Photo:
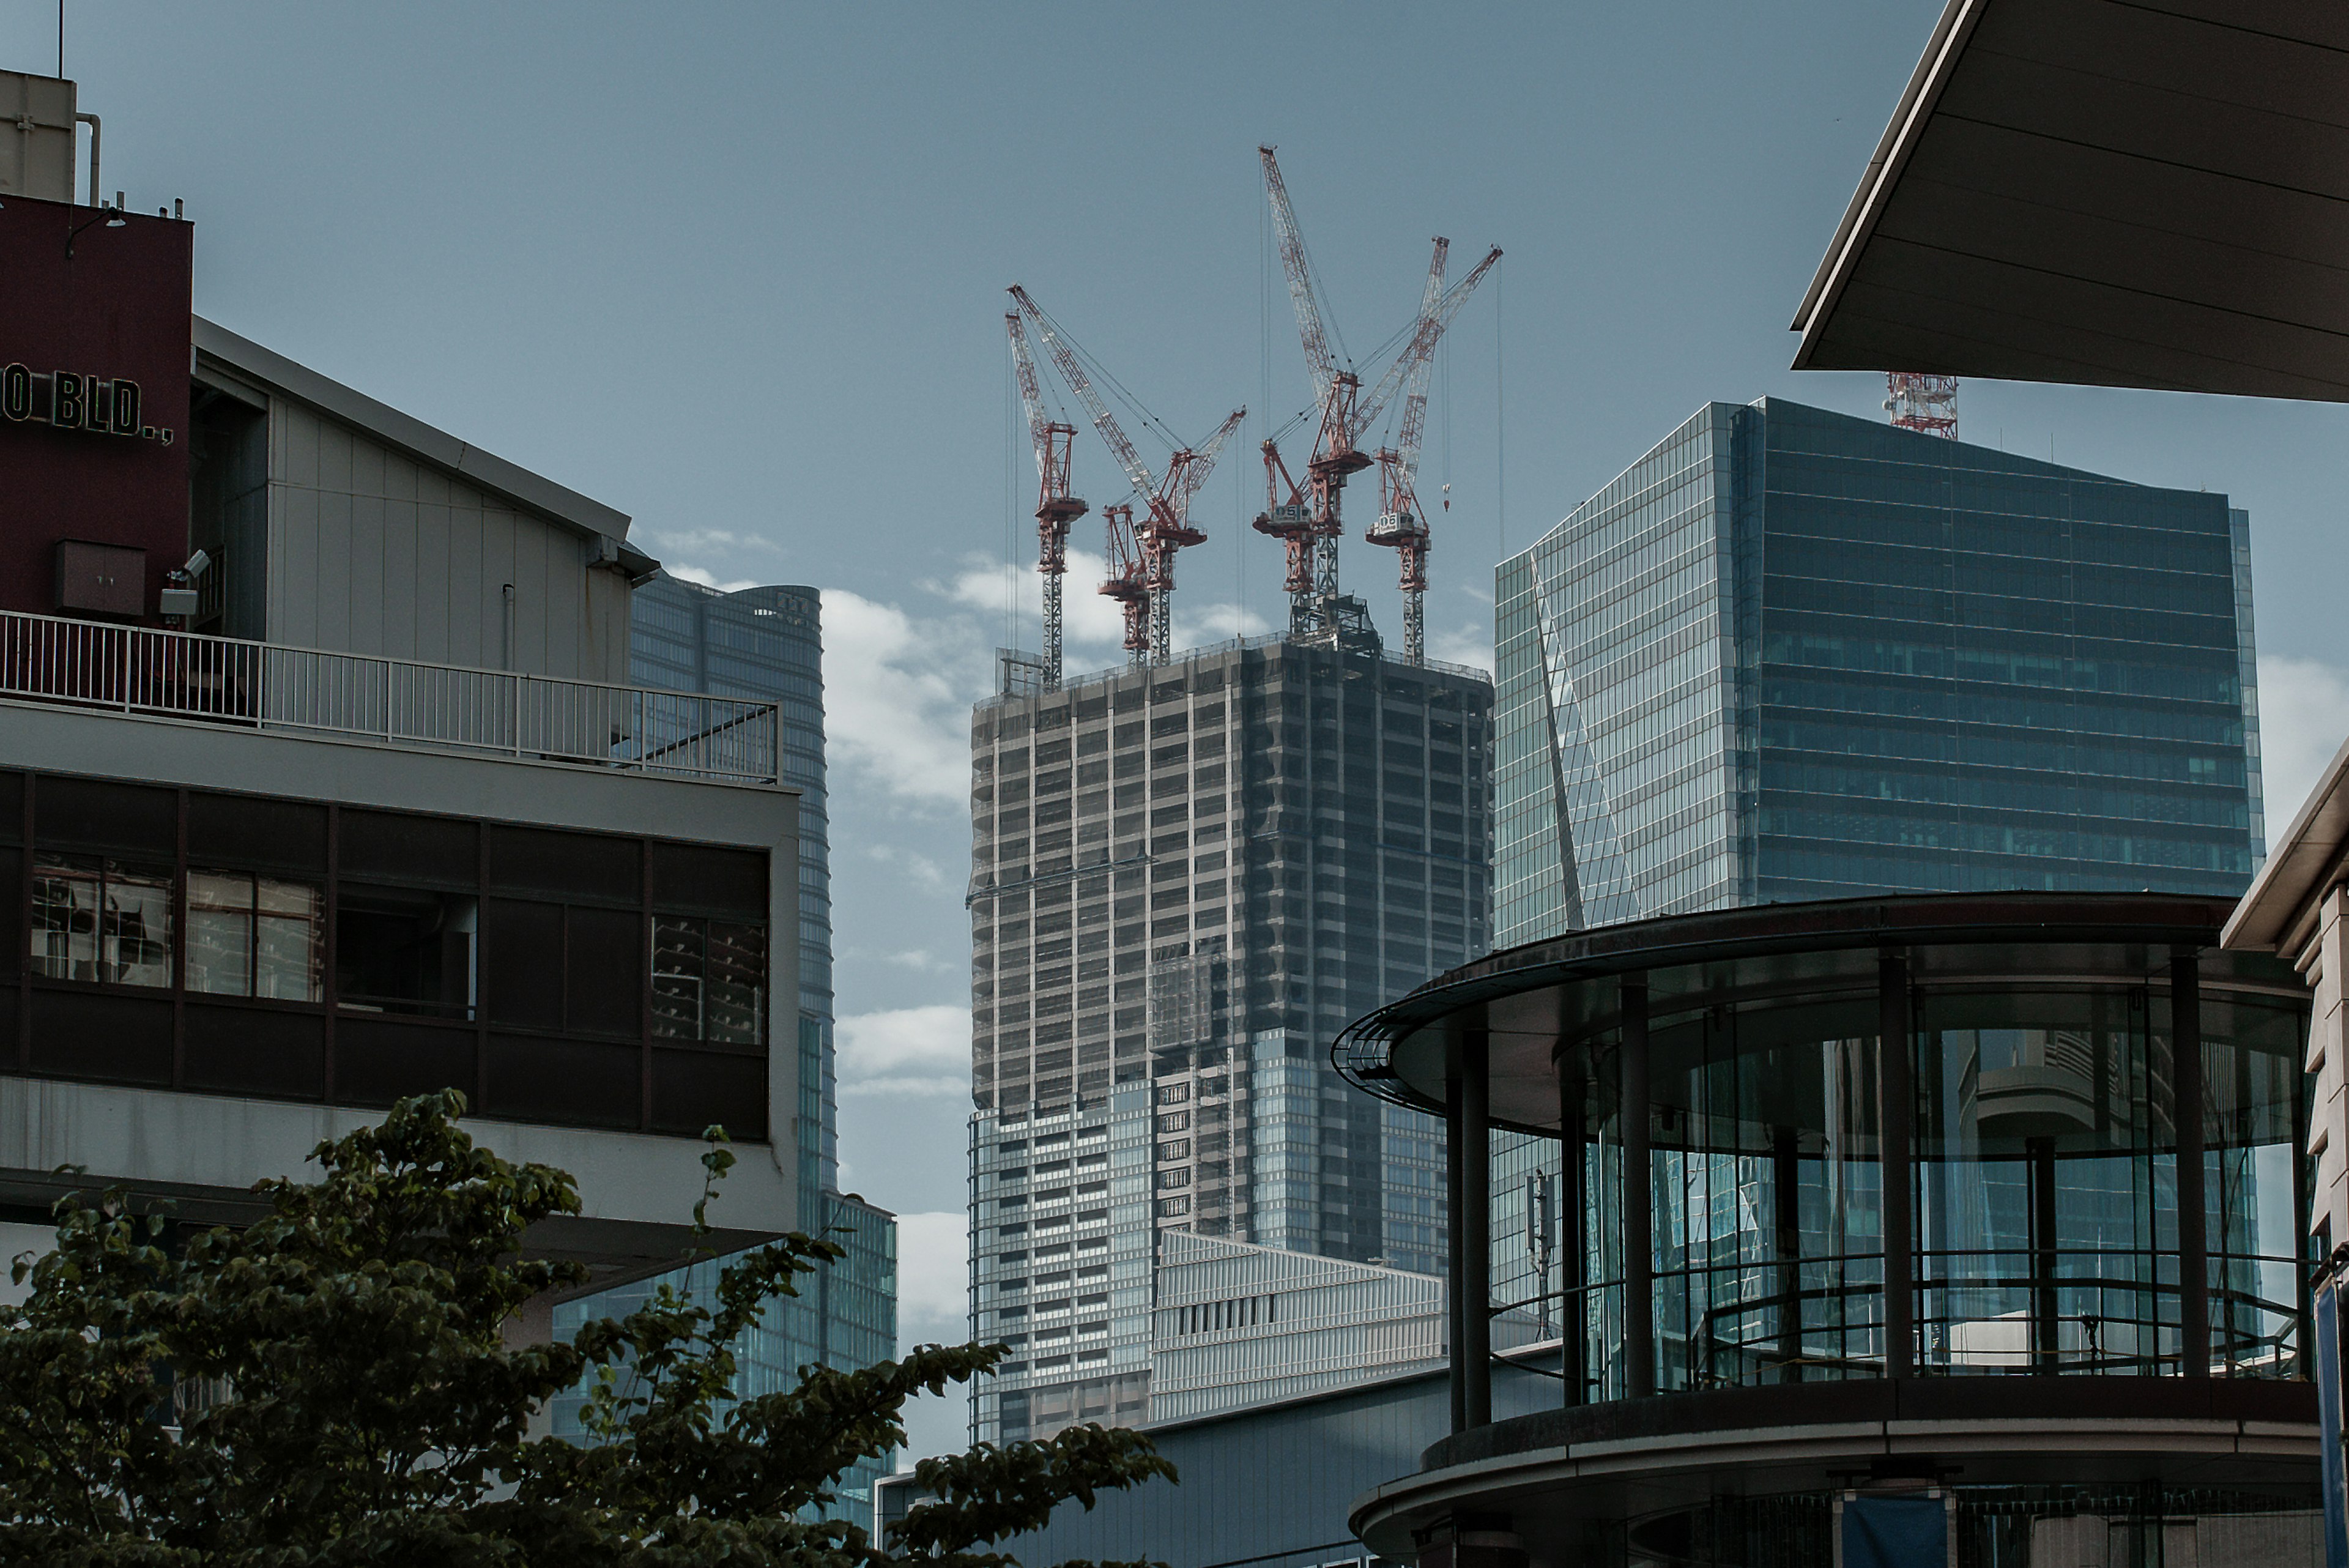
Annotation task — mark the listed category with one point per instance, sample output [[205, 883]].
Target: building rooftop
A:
[[220, 352]]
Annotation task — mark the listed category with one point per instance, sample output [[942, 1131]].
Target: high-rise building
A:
[[1790, 654], [1184, 879], [1794, 655], [767, 644]]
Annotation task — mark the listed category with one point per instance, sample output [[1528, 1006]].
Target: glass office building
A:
[[1790, 654], [768, 642]]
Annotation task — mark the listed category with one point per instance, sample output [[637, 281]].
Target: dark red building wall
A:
[[117, 308]]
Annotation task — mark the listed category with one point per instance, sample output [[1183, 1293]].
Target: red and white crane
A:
[[1141, 556], [1056, 508], [1306, 518], [1401, 524]]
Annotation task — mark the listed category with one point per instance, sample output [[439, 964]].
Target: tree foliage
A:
[[333, 1384]]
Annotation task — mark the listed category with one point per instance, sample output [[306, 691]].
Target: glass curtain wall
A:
[[2045, 1192]]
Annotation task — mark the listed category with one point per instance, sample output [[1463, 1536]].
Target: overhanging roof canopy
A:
[[2149, 194]]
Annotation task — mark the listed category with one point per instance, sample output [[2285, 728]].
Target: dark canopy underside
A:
[[2152, 193]]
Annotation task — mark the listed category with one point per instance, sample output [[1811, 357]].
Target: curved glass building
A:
[[1988, 1202]]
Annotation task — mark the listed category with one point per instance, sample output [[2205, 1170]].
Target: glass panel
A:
[[736, 977], [1768, 1223], [2252, 1088], [2046, 1182], [220, 933], [66, 906], [710, 980], [678, 942], [290, 944], [135, 937]]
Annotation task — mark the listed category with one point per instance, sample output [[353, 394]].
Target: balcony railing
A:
[[392, 701]]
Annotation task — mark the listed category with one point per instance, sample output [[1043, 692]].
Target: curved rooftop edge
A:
[[1635, 1456], [1782, 950]]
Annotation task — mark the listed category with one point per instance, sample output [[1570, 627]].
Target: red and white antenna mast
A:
[[1926, 404], [1401, 524], [1055, 507], [1165, 527]]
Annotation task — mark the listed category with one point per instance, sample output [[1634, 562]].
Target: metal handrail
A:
[[280, 687]]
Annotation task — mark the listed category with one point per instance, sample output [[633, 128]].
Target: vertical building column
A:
[[1639, 1202], [1573, 1244], [1475, 1280], [2186, 1082], [1896, 1111], [1785, 1184], [1455, 1232]]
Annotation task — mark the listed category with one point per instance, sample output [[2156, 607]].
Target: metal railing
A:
[[391, 701]]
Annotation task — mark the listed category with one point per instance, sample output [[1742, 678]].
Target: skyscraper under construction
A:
[[1185, 878]]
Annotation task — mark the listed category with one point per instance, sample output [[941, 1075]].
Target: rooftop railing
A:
[[390, 702]]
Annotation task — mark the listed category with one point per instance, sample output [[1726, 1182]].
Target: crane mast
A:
[[1056, 508]]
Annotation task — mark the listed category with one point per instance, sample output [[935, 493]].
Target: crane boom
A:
[[1032, 394], [1128, 460], [1435, 316], [1203, 461], [1301, 279]]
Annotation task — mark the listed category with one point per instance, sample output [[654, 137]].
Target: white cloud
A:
[[920, 867], [933, 1278], [907, 1051], [2303, 719], [707, 580], [1470, 644], [706, 541], [897, 699]]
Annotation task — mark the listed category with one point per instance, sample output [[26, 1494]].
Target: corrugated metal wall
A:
[[372, 552]]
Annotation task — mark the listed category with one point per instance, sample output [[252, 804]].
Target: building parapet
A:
[[147, 673]]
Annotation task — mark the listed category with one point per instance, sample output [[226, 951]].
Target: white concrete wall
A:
[[371, 551]]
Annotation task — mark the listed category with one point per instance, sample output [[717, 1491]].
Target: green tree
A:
[[331, 1384]]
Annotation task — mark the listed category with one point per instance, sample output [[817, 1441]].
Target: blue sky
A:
[[738, 270]]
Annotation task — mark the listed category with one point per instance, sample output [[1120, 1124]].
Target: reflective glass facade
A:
[[1790, 654], [766, 644]]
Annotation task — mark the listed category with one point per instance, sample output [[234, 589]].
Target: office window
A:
[[404, 950], [254, 936], [100, 922], [710, 980]]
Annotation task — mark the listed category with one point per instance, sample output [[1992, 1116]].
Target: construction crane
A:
[[1165, 527], [1056, 508], [1306, 518], [1401, 524], [1923, 403], [1127, 582]]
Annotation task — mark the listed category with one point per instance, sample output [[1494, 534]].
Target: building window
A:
[[254, 936], [710, 980], [100, 922], [405, 950]]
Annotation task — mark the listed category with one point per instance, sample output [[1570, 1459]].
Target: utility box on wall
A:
[[101, 579], [36, 137]]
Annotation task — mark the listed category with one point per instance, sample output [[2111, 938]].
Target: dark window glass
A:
[[522, 962], [593, 866], [265, 835], [400, 950], [82, 814], [403, 846], [701, 880], [603, 966], [100, 922], [12, 808]]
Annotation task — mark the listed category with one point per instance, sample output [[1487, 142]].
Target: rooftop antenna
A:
[[1926, 404]]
